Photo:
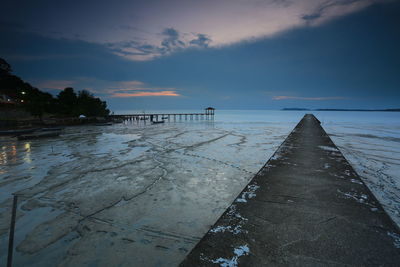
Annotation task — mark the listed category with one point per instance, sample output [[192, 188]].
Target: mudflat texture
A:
[[305, 207]]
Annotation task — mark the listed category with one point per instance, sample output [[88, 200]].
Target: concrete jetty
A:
[[305, 207]]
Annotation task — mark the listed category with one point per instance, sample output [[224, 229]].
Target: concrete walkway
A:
[[306, 207]]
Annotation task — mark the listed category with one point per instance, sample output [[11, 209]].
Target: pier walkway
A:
[[207, 115], [305, 207]]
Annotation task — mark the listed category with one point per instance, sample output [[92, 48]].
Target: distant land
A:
[[341, 109], [299, 109]]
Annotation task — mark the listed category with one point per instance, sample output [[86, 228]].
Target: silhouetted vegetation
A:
[[5, 68], [15, 92], [83, 103]]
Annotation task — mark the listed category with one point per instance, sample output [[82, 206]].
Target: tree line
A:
[[67, 103]]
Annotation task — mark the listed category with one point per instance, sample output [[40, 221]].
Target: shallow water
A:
[[371, 142], [95, 193], [135, 194]]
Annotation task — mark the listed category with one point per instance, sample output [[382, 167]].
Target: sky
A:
[[191, 54]]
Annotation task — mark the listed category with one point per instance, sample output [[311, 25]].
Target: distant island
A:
[[297, 109], [343, 109]]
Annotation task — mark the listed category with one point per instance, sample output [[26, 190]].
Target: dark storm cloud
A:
[[189, 23], [349, 62], [172, 41], [319, 11], [202, 40]]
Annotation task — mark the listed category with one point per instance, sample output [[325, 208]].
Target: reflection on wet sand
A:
[[8, 154]]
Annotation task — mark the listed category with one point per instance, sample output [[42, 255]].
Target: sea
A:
[[138, 194]]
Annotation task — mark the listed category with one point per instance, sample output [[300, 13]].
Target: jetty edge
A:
[[305, 207]]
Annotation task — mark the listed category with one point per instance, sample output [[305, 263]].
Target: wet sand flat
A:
[[126, 195]]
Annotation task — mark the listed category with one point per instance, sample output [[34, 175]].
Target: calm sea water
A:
[[380, 118], [369, 140], [96, 192]]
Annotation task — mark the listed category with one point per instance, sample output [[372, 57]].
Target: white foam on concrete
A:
[[233, 262]]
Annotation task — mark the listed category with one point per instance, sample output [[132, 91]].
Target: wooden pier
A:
[[207, 115]]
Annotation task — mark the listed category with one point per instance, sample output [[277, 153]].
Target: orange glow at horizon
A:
[[284, 97], [141, 94]]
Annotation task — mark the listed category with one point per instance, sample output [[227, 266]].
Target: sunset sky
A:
[[188, 54]]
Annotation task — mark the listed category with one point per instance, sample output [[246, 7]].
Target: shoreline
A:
[[50, 122]]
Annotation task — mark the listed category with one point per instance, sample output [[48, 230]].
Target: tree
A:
[[5, 68], [40, 103], [11, 85], [68, 102], [72, 104], [91, 106]]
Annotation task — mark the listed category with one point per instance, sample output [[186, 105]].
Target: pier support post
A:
[[11, 236]]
